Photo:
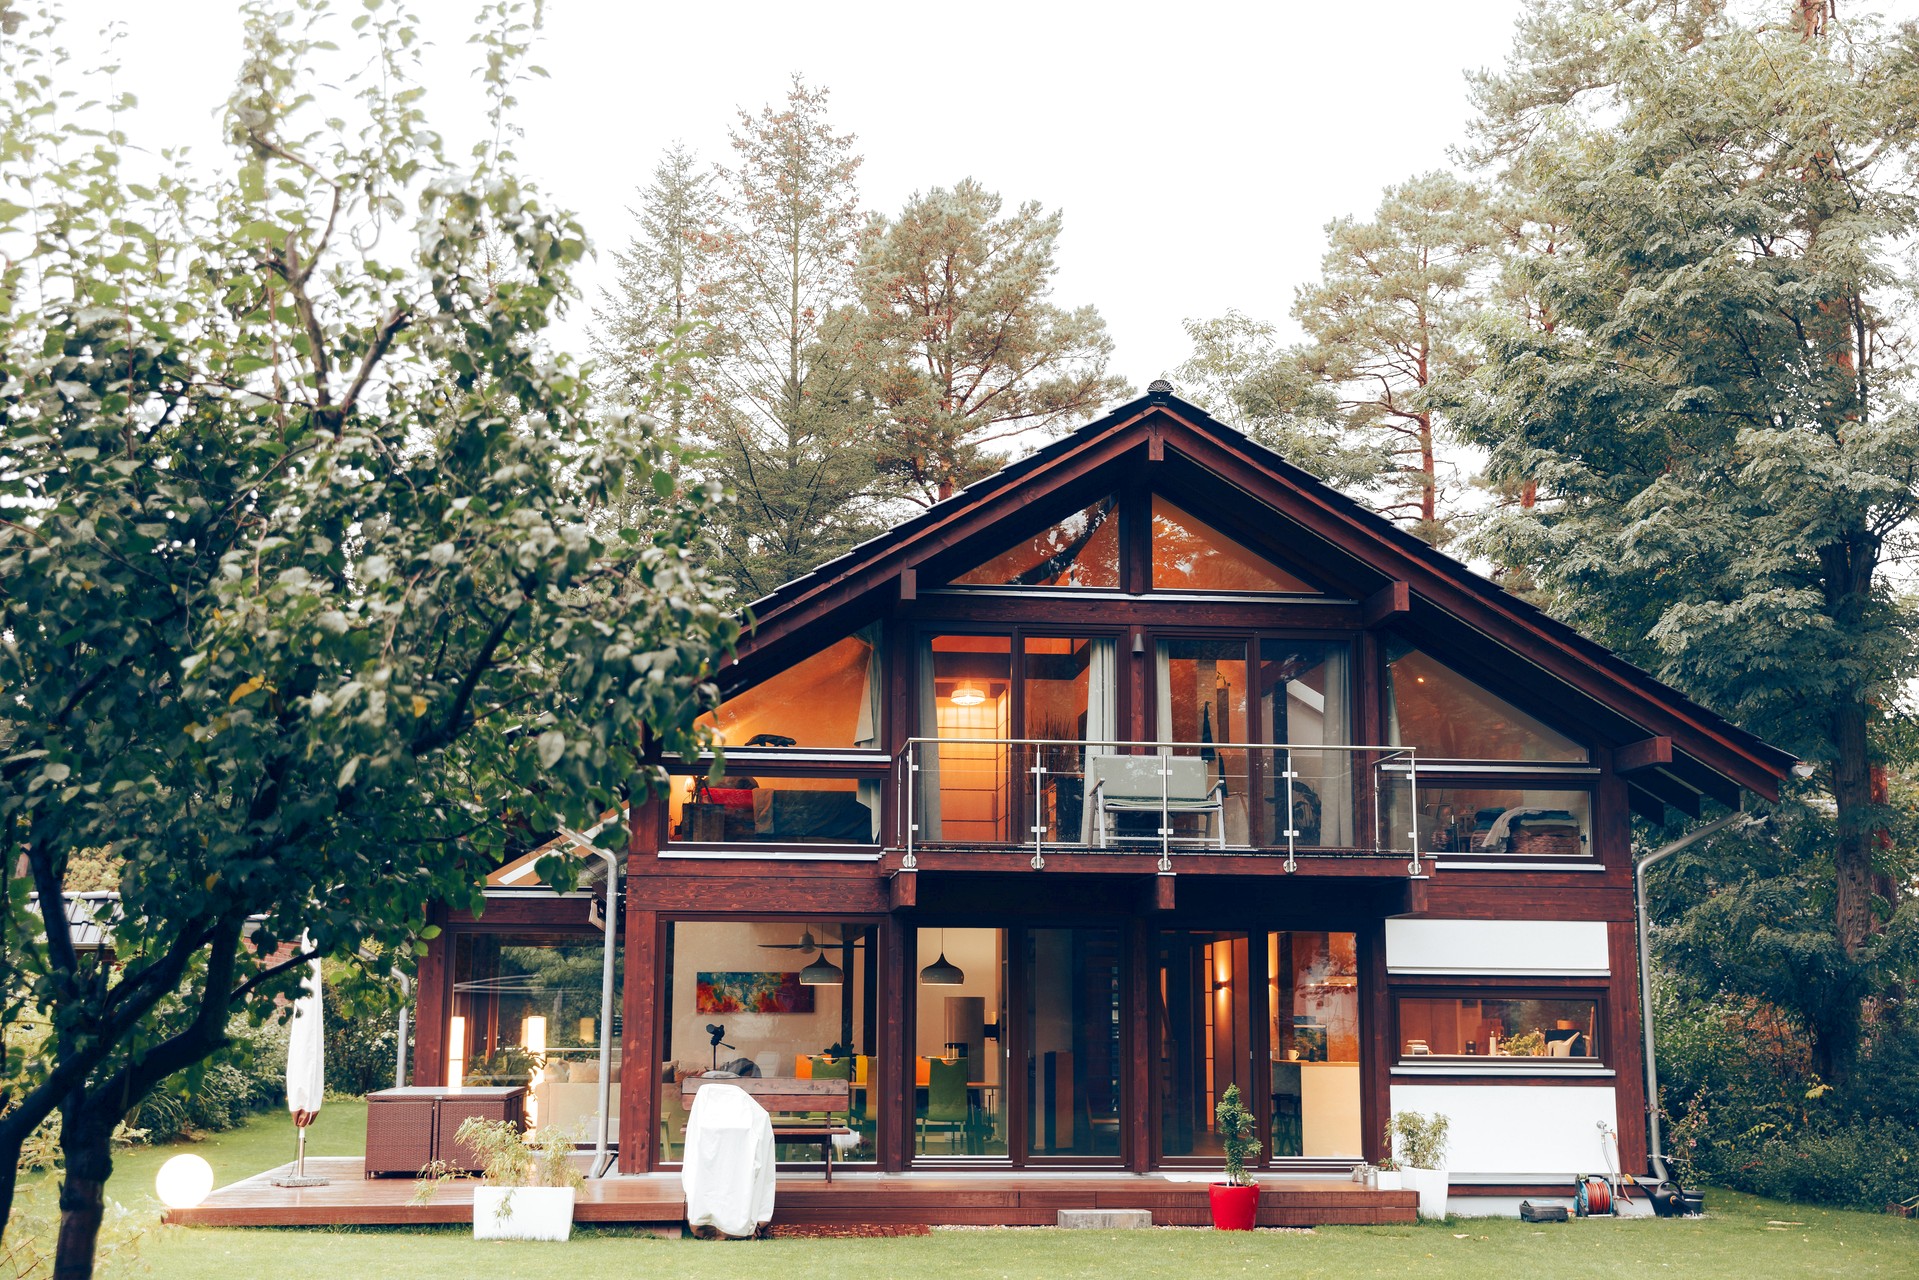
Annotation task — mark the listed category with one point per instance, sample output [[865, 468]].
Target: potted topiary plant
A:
[[1419, 1142], [530, 1181], [1235, 1202]]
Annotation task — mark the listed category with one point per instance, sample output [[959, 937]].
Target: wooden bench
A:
[[789, 1094]]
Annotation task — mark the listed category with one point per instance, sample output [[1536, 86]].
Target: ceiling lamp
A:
[[942, 972], [968, 695], [822, 973]]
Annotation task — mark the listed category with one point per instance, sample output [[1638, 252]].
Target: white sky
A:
[[1197, 150]]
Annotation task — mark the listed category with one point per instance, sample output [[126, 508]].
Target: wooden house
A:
[[1145, 766]]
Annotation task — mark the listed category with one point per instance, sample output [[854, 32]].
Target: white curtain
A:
[[1102, 718], [1163, 684], [867, 734], [1335, 767], [926, 811]]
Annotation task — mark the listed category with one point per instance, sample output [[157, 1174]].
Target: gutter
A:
[[1737, 818]]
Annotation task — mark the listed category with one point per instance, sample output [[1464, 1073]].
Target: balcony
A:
[[1159, 799]]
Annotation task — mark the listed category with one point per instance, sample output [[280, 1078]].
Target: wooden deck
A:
[[852, 1199]]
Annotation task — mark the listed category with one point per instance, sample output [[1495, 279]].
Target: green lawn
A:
[[1741, 1237]]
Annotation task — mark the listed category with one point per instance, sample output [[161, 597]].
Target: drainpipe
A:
[[601, 1159], [1657, 1152], [399, 1060]]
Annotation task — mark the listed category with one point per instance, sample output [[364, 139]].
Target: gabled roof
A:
[[1623, 703]]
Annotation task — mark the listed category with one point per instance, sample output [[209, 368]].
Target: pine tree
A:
[[959, 347], [783, 418], [1387, 323], [1242, 374], [1720, 425], [657, 294]]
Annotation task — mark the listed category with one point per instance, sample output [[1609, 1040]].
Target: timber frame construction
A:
[[1341, 915]]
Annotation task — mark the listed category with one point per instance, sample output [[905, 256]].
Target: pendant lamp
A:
[[942, 972], [822, 973]]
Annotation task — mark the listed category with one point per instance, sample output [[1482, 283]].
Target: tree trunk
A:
[[86, 1142], [1852, 850]]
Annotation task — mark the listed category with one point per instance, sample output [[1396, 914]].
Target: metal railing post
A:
[[1165, 814], [1039, 820], [1292, 832], [910, 781], [1412, 790]]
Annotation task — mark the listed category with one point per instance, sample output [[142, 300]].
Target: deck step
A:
[[1105, 1219]]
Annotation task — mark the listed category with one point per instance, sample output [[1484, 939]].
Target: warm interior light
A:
[[455, 1051], [183, 1182], [968, 696], [587, 1035]]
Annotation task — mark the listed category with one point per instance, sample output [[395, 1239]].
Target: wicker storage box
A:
[[407, 1129]]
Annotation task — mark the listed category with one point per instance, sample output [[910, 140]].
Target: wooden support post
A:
[[1136, 1087], [894, 1053], [639, 1097], [902, 890], [431, 992], [1160, 896]]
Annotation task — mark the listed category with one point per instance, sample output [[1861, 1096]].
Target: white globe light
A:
[[184, 1182]]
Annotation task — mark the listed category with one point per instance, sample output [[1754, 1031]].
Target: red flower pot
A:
[[1234, 1208]]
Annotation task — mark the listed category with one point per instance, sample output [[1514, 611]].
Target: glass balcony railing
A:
[[1155, 797]]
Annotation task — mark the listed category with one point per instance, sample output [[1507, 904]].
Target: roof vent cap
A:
[[1159, 387]]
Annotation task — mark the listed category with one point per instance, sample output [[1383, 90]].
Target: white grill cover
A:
[[728, 1174]]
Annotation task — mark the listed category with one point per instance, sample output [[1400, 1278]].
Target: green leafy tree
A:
[[1387, 328], [960, 349], [1720, 427], [785, 428], [298, 582]]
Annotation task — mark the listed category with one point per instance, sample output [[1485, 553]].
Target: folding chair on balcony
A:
[[1136, 784]]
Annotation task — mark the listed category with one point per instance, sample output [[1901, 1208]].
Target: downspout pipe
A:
[[601, 1157], [1657, 1149]]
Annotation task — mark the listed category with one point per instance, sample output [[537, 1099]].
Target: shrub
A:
[[1235, 1125], [1419, 1140], [247, 1077], [1865, 1166]]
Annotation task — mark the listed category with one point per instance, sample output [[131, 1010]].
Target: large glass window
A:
[[831, 699], [1204, 1011], [1313, 994], [1493, 820], [1498, 1030], [790, 1000], [1446, 716], [966, 701], [1070, 693], [1202, 700], [760, 808], [1305, 701], [960, 1083], [1073, 1042], [1191, 555], [1080, 551], [526, 1011]]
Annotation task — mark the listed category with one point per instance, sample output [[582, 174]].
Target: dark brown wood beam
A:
[[1646, 804], [1647, 753], [1391, 600], [1679, 796], [902, 890], [909, 585], [1161, 896]]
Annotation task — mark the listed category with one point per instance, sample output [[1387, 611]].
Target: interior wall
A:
[[770, 1039]]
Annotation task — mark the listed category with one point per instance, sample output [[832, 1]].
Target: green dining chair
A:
[[945, 1101]]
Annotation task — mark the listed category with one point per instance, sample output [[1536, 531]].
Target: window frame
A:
[[1442, 987]]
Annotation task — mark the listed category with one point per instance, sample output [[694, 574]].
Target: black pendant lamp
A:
[[822, 973], [942, 972]]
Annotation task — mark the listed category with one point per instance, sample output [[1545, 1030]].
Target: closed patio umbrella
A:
[[306, 1071]]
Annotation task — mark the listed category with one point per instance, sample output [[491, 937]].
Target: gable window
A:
[[1446, 716], [1191, 555], [1080, 551]]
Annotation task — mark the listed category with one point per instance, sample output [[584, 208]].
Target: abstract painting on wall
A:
[[753, 993]]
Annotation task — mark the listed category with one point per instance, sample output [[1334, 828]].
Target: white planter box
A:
[[531, 1213], [1432, 1185], [1389, 1179]]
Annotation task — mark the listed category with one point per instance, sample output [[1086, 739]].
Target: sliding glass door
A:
[[1072, 1042]]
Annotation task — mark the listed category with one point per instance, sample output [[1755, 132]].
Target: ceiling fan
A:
[[807, 942]]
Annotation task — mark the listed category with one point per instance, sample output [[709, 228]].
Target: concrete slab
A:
[[1105, 1219]]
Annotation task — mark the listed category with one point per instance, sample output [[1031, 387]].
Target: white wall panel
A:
[[1542, 947], [1526, 1131]]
